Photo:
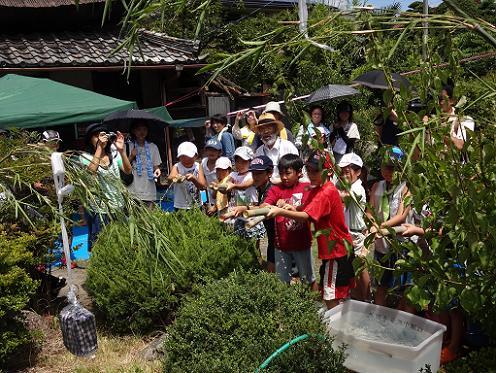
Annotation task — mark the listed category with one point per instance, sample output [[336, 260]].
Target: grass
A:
[[115, 354]]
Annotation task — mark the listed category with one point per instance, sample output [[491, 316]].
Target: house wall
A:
[[81, 79]]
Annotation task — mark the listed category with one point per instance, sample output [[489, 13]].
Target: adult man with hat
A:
[[274, 108], [274, 147]]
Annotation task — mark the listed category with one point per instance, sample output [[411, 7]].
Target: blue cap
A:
[[261, 163], [214, 144]]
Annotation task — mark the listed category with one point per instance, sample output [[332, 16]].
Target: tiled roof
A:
[[43, 3], [59, 49]]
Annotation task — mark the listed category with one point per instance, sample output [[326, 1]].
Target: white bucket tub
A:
[[384, 340]]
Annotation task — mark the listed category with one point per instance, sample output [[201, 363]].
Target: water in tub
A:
[[379, 328]]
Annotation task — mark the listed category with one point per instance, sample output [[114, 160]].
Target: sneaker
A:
[[447, 356]]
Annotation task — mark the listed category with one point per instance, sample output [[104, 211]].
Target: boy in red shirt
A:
[[293, 238], [324, 208]]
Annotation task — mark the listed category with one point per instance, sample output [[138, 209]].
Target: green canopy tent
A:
[[27, 102]]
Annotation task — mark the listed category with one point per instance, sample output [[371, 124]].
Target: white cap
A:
[[244, 152], [50, 135], [350, 158], [273, 106], [188, 149], [223, 163]]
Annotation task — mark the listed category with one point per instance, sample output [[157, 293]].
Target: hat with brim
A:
[[266, 119], [213, 144], [223, 163], [94, 128], [261, 163], [273, 107], [244, 152], [350, 158], [188, 149], [51, 136]]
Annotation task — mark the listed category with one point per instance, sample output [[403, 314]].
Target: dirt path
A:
[[78, 279], [115, 354]]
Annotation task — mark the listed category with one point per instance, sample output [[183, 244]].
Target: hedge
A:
[[234, 324], [138, 277]]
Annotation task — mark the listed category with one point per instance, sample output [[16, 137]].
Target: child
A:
[[324, 208], [217, 129], [261, 169], [213, 151], [240, 183], [355, 201], [223, 168], [387, 203], [293, 238], [186, 192]]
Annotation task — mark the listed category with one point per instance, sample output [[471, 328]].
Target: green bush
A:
[[136, 288], [16, 289], [234, 324], [482, 360]]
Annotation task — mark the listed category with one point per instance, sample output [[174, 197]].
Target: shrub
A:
[[476, 361], [234, 324], [136, 287], [16, 288]]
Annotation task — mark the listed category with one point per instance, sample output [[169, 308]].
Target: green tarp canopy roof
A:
[[27, 102], [162, 112]]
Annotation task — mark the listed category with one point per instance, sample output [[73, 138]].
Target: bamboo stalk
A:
[[256, 212], [250, 223], [387, 231], [219, 187]]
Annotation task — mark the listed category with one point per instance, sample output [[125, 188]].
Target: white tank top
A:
[[243, 197], [186, 193]]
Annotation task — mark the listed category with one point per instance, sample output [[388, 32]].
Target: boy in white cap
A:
[[241, 180], [52, 139], [186, 192], [355, 201], [244, 192], [223, 168], [212, 152]]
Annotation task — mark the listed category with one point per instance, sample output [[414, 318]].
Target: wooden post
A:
[[168, 144]]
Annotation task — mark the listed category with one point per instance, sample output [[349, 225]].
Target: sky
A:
[[404, 3]]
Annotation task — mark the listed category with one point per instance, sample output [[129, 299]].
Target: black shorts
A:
[[271, 237]]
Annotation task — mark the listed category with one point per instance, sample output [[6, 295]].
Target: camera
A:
[[112, 136]]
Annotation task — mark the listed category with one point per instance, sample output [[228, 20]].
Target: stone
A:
[[155, 349]]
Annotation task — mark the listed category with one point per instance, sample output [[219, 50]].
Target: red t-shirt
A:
[[326, 210], [291, 235]]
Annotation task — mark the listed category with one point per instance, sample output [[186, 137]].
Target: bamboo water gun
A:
[[218, 187], [399, 229]]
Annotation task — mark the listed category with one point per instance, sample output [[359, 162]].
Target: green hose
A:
[[284, 347]]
